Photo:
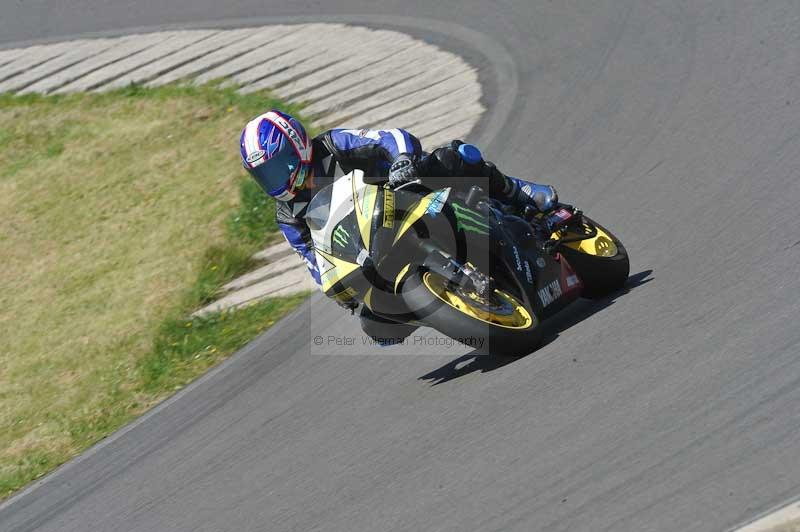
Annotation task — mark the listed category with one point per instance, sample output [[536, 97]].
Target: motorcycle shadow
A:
[[572, 315]]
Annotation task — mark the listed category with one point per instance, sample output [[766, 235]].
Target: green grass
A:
[[122, 213], [256, 211], [181, 345]]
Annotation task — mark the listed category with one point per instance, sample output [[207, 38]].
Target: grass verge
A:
[[123, 212]]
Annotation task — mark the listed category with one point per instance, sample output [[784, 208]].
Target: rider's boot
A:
[[465, 160], [518, 193]]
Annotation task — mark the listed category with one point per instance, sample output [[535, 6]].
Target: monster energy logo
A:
[[469, 220], [341, 236]]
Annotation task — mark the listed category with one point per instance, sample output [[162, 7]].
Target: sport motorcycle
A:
[[458, 261]]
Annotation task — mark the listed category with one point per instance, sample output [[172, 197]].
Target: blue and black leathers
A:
[[340, 151], [336, 153]]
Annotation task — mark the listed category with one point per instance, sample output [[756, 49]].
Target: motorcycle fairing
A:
[[364, 200], [367, 222], [601, 245]]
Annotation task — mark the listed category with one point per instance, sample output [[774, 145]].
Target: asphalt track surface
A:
[[674, 406]]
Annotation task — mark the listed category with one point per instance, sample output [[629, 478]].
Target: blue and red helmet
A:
[[276, 151]]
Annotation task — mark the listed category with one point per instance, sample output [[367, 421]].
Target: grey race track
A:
[[674, 406]]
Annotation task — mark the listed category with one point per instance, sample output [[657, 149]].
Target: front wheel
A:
[[383, 330], [601, 262], [497, 325]]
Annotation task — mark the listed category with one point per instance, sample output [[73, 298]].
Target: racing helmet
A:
[[276, 151]]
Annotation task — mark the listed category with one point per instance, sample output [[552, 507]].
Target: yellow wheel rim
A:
[[517, 318], [604, 246]]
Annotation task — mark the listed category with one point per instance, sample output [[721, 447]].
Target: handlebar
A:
[[375, 180]]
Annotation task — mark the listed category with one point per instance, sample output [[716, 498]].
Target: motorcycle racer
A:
[[291, 167]]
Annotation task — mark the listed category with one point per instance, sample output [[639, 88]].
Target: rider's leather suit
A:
[[340, 151]]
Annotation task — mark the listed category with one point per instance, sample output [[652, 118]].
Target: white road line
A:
[[363, 84], [7, 56], [321, 66], [241, 44], [80, 51], [387, 45], [287, 282], [117, 72], [407, 61], [183, 57], [385, 77], [384, 90], [443, 95], [443, 99], [121, 48], [294, 64], [294, 44], [123, 56], [425, 123], [31, 58], [401, 97]]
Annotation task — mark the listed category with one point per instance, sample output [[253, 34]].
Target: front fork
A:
[[462, 275]]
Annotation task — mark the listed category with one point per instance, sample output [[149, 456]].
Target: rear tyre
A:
[[601, 274], [504, 327]]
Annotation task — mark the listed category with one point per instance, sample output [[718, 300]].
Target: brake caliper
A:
[[482, 283]]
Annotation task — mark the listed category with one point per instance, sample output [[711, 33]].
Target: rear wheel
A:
[[601, 262], [499, 324]]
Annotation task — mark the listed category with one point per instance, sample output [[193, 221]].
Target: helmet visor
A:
[[275, 175]]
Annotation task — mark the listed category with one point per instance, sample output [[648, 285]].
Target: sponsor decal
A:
[[528, 274], [388, 209], [437, 202], [255, 156], [284, 196], [469, 221], [289, 130], [341, 236], [517, 259], [540, 263], [572, 280], [549, 293]]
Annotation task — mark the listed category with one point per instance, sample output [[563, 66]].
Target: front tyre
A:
[[500, 326], [601, 262], [383, 330]]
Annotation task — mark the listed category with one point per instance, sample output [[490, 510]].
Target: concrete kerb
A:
[[241, 54]]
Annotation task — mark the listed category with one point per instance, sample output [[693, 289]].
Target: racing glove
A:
[[542, 196], [403, 170]]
